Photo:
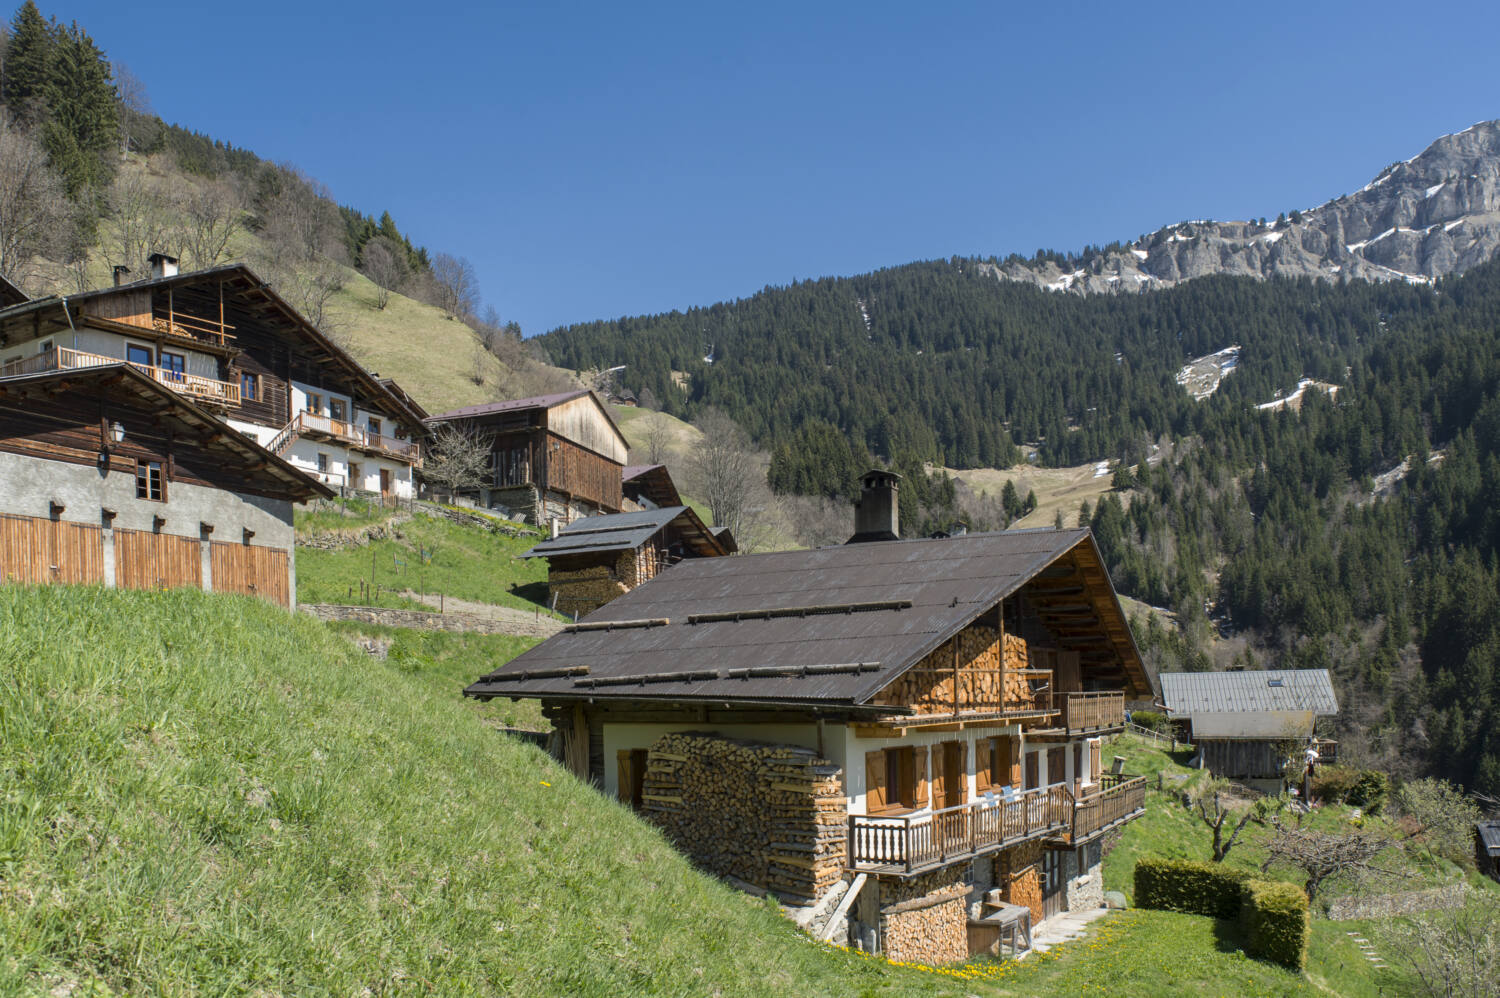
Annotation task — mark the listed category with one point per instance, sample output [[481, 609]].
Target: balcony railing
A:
[[65, 359], [1116, 799], [314, 424], [912, 843], [1090, 711]]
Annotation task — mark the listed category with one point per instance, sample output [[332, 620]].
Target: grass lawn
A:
[[421, 553]]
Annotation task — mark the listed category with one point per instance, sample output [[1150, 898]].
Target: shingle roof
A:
[[1250, 690], [854, 617], [611, 532], [510, 405]]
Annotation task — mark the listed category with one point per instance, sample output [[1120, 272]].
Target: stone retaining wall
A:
[[459, 623]]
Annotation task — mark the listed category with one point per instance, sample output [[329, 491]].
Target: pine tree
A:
[[81, 134], [28, 60]]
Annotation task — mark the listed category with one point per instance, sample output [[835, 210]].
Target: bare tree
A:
[[142, 213], [211, 215], [1321, 855], [456, 286], [1454, 953], [33, 202], [723, 469], [459, 457], [138, 117], [1439, 817], [384, 263], [656, 445], [1211, 803]]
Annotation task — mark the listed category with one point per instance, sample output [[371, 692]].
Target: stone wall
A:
[[771, 815], [1085, 877], [459, 623]]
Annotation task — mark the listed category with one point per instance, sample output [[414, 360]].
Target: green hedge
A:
[[1190, 887], [1273, 914], [1365, 788]]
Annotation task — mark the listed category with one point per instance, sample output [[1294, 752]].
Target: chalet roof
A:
[[1489, 835], [619, 532], [11, 294], [828, 626], [726, 538], [240, 279], [510, 405], [273, 475], [654, 482], [1186, 693]]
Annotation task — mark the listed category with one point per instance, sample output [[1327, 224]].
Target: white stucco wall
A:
[[641, 736]]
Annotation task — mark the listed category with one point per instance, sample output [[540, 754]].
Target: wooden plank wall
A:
[[582, 473], [144, 560], [34, 550], [250, 569]]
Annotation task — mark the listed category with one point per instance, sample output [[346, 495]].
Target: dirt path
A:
[[525, 622]]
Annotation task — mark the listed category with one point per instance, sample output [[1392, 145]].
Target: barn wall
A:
[[582, 422]]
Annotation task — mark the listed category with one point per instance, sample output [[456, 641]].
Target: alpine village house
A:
[[911, 726], [224, 340]]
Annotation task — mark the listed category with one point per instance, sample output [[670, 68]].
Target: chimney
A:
[[120, 272], [162, 265], [877, 515]]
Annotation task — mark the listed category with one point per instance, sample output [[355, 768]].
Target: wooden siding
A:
[[584, 423], [582, 473], [34, 550], [132, 308], [250, 569], [144, 560]]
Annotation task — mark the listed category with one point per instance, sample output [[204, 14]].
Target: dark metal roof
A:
[[1489, 834], [1250, 690], [611, 532], [511, 405], [856, 616]]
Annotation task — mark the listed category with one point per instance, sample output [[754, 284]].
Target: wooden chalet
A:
[[596, 559], [223, 339], [1251, 725], [916, 724], [109, 477], [649, 486], [553, 457]]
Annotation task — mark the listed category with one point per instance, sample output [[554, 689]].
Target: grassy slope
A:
[[1056, 489], [464, 561], [199, 793]]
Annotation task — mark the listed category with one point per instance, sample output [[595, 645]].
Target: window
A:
[[249, 386], [895, 779], [354, 479], [993, 764], [1033, 770], [174, 364], [336, 408], [374, 426], [138, 355], [323, 464], [150, 483], [314, 404]]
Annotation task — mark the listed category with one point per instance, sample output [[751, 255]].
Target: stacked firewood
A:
[[773, 816], [928, 686]]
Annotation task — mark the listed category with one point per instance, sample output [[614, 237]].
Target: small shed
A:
[[1487, 847], [1244, 722], [593, 560]]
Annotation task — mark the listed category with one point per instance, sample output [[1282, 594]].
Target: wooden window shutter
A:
[[923, 789], [1013, 751], [875, 780], [905, 790], [624, 778], [1096, 764], [986, 767]]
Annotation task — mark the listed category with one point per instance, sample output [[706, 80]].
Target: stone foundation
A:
[[1084, 877]]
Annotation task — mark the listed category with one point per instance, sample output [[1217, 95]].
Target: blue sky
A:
[[602, 160]]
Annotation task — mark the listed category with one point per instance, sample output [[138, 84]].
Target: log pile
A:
[[925, 919], [771, 815], [929, 685], [1021, 877], [584, 590]]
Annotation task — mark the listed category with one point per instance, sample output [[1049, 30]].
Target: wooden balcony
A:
[[1090, 711], [908, 844], [64, 359], [317, 426], [1115, 800]]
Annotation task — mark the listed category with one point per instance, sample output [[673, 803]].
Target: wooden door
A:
[[631, 777], [35, 550], [1054, 898], [250, 569], [955, 783], [146, 560], [385, 483]]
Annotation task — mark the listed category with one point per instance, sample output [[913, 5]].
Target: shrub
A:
[[1189, 886], [1150, 719], [1332, 784], [1274, 916], [1370, 791]]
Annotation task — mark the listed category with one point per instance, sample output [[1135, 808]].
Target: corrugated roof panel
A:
[[1249, 690]]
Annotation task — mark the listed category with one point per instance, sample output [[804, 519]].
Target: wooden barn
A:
[[109, 477], [223, 339], [553, 457], [1251, 725], [598, 558], [909, 729], [649, 486], [1487, 848]]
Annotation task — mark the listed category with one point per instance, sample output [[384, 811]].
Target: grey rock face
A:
[[1437, 213]]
